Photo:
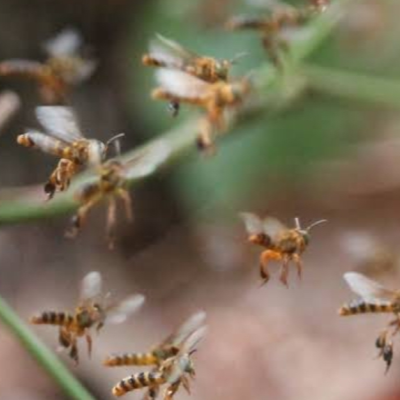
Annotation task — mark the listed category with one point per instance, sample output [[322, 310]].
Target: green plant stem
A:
[[353, 86], [45, 357]]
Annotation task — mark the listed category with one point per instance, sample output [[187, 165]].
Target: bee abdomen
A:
[[52, 318], [137, 381], [131, 359], [362, 307]]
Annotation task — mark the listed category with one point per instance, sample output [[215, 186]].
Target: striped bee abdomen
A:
[[52, 318], [137, 381], [362, 307], [131, 359]]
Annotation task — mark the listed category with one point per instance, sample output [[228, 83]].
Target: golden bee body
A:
[[280, 243]]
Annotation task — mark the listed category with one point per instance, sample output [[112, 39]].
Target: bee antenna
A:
[[117, 143], [321, 221], [238, 56], [192, 351]]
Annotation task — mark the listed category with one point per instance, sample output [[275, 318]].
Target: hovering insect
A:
[[173, 371], [112, 182], [91, 312], [63, 69], [65, 140], [179, 87], [374, 298], [167, 348], [272, 26], [281, 243], [167, 53]]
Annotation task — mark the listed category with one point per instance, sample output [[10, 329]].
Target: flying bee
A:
[[63, 68], [374, 298], [93, 311], [280, 19], [64, 139], [169, 347], [112, 182], [281, 243], [173, 371], [167, 53], [180, 87]]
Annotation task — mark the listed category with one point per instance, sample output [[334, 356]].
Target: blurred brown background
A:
[[323, 157]]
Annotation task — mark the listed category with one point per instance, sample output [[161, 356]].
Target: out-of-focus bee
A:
[[167, 348], [180, 87], [63, 68], [174, 371], [112, 182], [167, 53], [374, 298], [371, 255], [65, 140], [281, 18], [91, 312], [281, 243]]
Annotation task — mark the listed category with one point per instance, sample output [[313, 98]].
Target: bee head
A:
[[305, 233], [186, 364], [222, 69], [96, 152]]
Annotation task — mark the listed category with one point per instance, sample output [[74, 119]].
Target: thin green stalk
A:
[[353, 86], [45, 357]]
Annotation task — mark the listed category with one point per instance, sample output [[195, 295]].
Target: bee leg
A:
[[171, 390], [265, 257], [89, 343], [186, 384], [73, 353], [78, 219], [126, 198], [299, 265], [204, 141], [152, 393], [64, 338], [284, 271], [111, 219], [174, 107]]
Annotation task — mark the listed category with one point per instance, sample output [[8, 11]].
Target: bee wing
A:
[[91, 286], [359, 245], [273, 227], [60, 122], [366, 288], [119, 313], [66, 43], [193, 340], [170, 51], [252, 222], [190, 325], [181, 84], [148, 160]]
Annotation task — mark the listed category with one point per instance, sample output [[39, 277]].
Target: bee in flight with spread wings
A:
[[93, 311], [167, 53], [64, 67], [65, 140], [374, 298], [173, 371], [112, 182], [281, 243], [272, 26], [216, 98], [169, 347]]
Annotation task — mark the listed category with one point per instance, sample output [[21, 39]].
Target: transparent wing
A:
[[82, 72], [181, 84], [66, 43], [366, 288], [170, 51], [193, 323], [273, 227], [45, 142], [252, 222], [148, 160], [119, 313], [359, 245], [60, 122], [193, 340], [91, 286]]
